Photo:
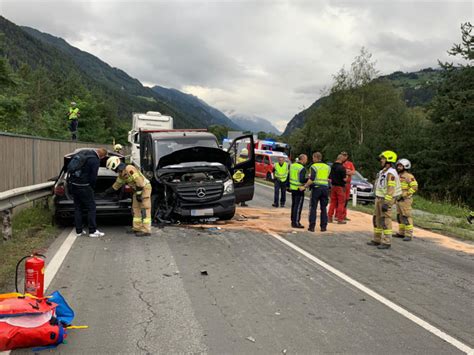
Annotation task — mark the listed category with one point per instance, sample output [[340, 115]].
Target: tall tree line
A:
[[366, 116]]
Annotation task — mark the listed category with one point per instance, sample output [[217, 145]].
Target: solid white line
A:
[[432, 329], [55, 263], [53, 266]]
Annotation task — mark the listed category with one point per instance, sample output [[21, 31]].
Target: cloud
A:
[[266, 58]]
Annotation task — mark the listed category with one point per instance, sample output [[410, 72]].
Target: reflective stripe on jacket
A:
[[73, 113], [295, 171], [387, 184], [132, 177], [321, 174], [281, 171]]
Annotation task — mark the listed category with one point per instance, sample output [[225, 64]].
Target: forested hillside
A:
[[416, 88], [41, 74], [431, 125]]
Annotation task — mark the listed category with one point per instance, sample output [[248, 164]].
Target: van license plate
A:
[[204, 212]]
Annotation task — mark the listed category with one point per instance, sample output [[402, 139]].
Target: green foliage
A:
[[219, 131], [449, 162]]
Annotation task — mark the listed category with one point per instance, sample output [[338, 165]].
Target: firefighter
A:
[[141, 187], [73, 117], [387, 190], [118, 148], [318, 181], [280, 172], [409, 187], [297, 182]]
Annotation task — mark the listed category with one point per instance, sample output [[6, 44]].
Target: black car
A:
[[115, 205], [192, 177]]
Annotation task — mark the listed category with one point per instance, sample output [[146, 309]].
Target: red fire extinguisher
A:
[[34, 274]]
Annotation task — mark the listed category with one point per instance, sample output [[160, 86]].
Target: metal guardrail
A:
[[19, 196]]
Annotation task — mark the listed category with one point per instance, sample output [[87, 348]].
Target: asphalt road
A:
[[149, 295]]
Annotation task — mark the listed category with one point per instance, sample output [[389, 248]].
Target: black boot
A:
[[311, 227], [384, 246], [373, 243]]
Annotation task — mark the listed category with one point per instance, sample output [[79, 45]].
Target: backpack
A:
[[74, 168]]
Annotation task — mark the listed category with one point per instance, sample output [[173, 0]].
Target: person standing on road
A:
[[141, 204], [338, 191], [387, 190], [350, 170], [297, 181], [73, 118], [280, 173], [318, 181], [82, 185], [404, 202]]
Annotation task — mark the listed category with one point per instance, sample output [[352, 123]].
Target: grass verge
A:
[[32, 231]]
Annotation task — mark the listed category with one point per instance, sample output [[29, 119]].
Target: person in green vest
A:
[[318, 181], [73, 117], [297, 182], [280, 173]]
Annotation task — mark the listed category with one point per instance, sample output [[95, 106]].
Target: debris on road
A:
[[277, 313], [167, 275], [284, 351], [204, 272], [252, 339]]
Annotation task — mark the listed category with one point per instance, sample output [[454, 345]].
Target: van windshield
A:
[[167, 146]]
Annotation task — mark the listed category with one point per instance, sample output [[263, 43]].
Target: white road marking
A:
[[58, 258], [417, 320], [55, 263]]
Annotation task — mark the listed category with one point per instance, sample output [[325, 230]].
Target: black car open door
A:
[[243, 167]]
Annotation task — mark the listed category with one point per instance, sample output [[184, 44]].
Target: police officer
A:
[[404, 202], [319, 182], [387, 190], [297, 182], [280, 173], [73, 117], [141, 187]]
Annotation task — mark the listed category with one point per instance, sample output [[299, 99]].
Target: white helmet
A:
[[113, 163], [405, 163], [118, 147], [73, 103]]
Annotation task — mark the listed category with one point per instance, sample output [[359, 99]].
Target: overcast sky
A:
[[265, 58]]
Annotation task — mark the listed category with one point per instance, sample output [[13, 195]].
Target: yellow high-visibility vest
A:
[[73, 113], [281, 171], [321, 174]]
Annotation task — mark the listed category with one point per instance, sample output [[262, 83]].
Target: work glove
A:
[[110, 191], [385, 207], [139, 197]]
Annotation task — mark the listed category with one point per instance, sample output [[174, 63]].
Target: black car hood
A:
[[196, 154]]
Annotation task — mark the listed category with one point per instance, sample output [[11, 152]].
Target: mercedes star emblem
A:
[[201, 192]]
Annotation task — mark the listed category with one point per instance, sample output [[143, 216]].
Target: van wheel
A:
[[269, 177]]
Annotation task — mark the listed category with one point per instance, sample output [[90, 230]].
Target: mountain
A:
[[418, 89], [194, 106], [74, 73], [254, 124]]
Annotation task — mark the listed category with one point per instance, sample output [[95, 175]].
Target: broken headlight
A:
[[228, 187]]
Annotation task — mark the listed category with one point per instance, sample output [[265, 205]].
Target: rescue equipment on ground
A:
[[34, 275], [29, 321]]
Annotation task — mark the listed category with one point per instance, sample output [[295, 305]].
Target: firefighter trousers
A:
[[382, 222], [142, 211], [404, 217]]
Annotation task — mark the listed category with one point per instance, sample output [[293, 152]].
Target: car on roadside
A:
[[365, 190], [117, 205]]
